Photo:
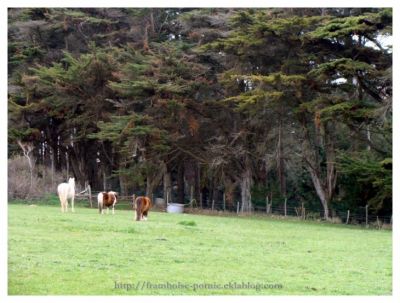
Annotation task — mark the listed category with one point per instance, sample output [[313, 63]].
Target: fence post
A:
[[285, 207], [201, 200], [348, 216], [237, 208], [366, 215], [303, 212], [223, 199], [90, 195], [212, 205], [269, 208]]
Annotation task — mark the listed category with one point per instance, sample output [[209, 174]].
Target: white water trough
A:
[[175, 208]]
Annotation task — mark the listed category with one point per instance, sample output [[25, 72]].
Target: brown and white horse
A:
[[106, 200], [143, 205]]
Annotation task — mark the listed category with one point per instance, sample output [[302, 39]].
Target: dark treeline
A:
[[245, 103]]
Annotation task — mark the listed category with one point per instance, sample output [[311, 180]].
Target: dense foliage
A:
[[249, 103]]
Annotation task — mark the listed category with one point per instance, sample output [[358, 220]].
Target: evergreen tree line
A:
[[288, 103]]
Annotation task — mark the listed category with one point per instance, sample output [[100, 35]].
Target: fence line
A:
[[363, 216]]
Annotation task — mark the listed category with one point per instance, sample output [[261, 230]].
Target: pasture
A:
[[90, 254]]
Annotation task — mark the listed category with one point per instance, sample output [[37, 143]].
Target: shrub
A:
[[187, 223], [19, 186]]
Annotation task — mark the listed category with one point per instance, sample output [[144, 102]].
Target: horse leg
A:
[[145, 215], [113, 211], [138, 210], [72, 204], [62, 202], [108, 210]]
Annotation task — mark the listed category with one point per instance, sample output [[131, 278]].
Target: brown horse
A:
[[143, 205], [106, 200]]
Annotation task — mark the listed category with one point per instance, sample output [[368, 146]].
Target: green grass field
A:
[[85, 253]]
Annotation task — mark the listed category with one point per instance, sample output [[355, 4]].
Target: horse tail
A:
[[100, 202]]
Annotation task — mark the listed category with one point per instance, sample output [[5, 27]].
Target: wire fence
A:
[[361, 216]]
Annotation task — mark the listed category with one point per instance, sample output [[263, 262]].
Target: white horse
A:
[[66, 191]]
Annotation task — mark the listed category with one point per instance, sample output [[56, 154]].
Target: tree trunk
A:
[[152, 25], [149, 187], [245, 186], [76, 168], [67, 162], [280, 162], [229, 193], [104, 181], [324, 187], [122, 185], [27, 150], [215, 198], [181, 183], [152, 181], [52, 167], [197, 183], [167, 183], [321, 192], [210, 191], [331, 173], [146, 37]]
